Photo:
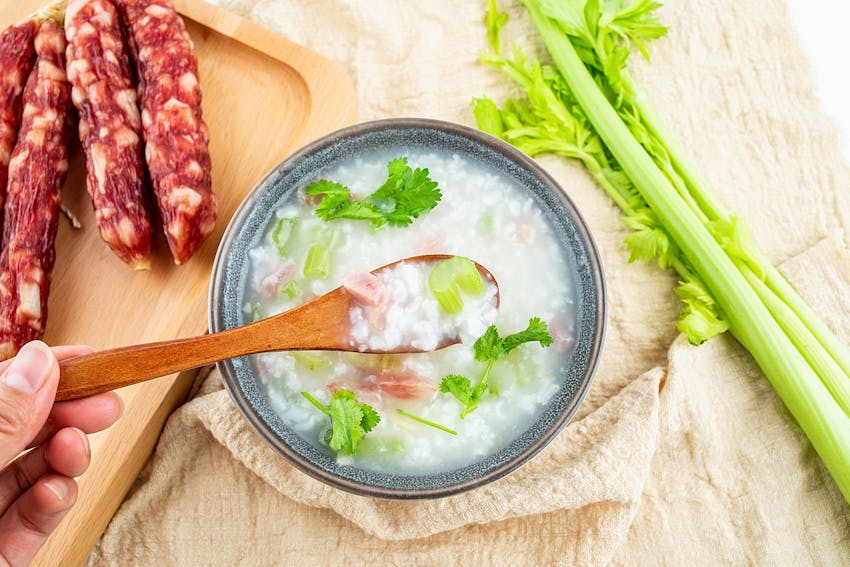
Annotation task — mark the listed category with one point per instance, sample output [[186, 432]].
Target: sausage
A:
[[37, 170], [110, 127], [17, 55], [176, 137]]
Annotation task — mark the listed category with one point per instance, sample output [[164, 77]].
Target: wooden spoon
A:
[[320, 324]]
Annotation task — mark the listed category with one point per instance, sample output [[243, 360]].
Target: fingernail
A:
[[58, 487], [85, 439], [29, 368]]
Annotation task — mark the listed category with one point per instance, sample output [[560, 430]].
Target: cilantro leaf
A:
[[489, 348], [406, 194], [350, 421], [537, 331], [458, 386], [489, 345], [461, 388]]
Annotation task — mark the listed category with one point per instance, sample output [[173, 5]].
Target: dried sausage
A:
[[110, 127], [37, 169], [17, 54], [176, 137]]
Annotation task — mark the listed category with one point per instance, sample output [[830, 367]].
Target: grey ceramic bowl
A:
[[247, 228]]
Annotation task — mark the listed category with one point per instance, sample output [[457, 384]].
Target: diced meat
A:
[[563, 338], [405, 385], [429, 245], [365, 388], [526, 233], [272, 283], [366, 287]]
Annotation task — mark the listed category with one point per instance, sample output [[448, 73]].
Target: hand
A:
[[37, 488]]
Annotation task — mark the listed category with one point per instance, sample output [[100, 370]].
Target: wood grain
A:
[[264, 96]]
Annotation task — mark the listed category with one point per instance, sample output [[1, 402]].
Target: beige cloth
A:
[[679, 455]]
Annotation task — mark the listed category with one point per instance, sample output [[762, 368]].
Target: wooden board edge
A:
[[319, 73]]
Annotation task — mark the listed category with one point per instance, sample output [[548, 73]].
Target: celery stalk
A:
[[451, 276], [808, 400], [318, 263]]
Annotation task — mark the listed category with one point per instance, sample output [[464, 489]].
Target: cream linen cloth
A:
[[679, 455]]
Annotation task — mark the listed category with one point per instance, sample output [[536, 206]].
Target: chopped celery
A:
[[485, 224], [291, 290], [467, 276], [283, 232], [318, 263], [449, 277], [448, 295], [381, 446], [312, 361], [256, 311]]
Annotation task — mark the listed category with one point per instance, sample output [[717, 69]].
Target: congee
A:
[[432, 411]]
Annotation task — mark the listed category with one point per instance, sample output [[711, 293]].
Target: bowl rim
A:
[[300, 462]]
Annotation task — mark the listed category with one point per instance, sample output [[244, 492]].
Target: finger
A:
[[27, 390], [60, 352], [67, 453], [33, 516], [91, 415]]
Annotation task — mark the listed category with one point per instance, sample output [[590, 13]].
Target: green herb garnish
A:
[[350, 421], [426, 421], [405, 195], [489, 348]]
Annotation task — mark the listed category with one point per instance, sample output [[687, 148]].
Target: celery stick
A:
[[318, 263], [451, 276], [291, 290], [312, 361], [811, 404], [282, 233]]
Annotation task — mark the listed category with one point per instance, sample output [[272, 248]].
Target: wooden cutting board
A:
[[264, 97]]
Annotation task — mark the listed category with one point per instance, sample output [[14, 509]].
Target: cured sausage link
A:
[[110, 127], [176, 137], [17, 54], [37, 169]]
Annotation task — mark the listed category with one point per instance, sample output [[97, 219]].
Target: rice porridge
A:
[[481, 216]]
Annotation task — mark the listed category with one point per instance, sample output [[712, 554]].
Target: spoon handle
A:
[[321, 324], [110, 369]]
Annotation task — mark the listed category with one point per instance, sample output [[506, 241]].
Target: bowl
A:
[[228, 283]]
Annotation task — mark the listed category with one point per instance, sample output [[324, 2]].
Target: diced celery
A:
[[312, 361], [448, 295], [291, 290], [318, 263], [381, 446], [282, 233], [449, 277], [467, 275], [485, 224], [256, 311]]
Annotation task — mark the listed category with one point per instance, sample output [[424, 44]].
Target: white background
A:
[[823, 29]]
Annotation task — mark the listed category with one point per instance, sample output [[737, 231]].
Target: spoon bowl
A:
[[320, 324]]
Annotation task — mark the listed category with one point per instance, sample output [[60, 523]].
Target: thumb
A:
[[27, 391]]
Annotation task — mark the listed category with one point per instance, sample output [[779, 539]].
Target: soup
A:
[[481, 215]]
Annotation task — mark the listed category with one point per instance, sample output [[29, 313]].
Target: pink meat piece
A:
[[366, 287], [365, 389], [405, 385], [272, 283]]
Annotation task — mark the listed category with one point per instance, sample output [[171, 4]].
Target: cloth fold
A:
[[679, 455]]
